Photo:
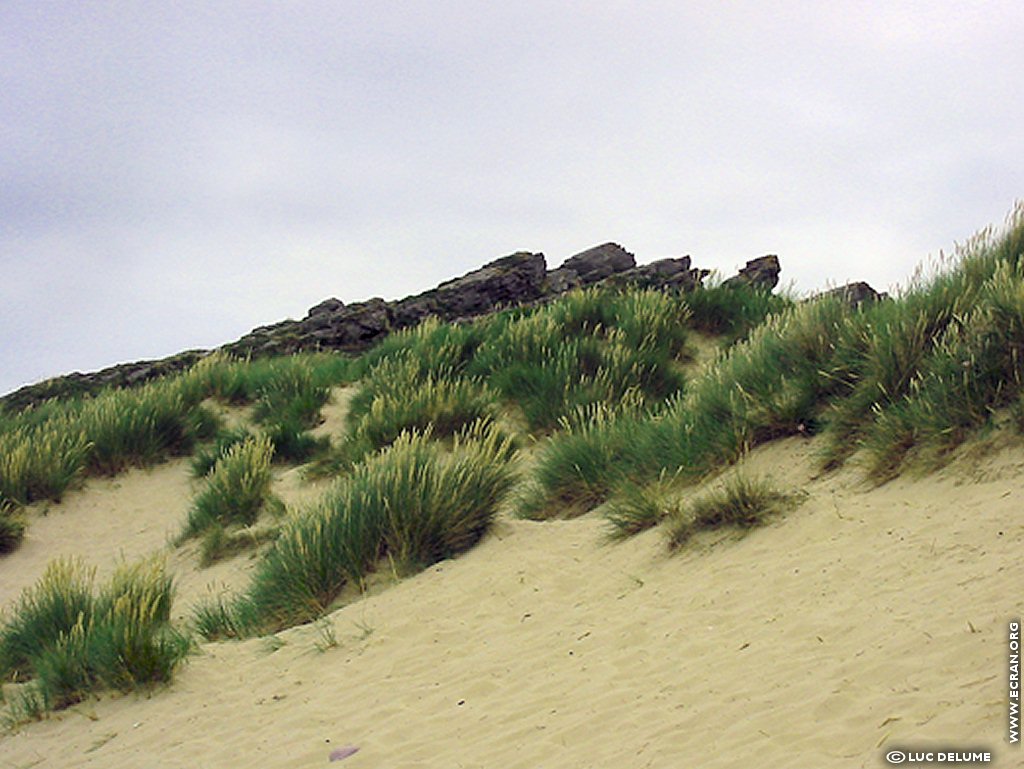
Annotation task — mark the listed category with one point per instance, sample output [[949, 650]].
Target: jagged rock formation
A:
[[855, 293], [332, 325], [762, 272], [518, 279], [121, 375]]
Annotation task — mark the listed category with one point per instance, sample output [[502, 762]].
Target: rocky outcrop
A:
[[518, 279], [854, 293], [762, 273], [121, 375], [597, 263], [511, 280], [332, 325], [663, 273]]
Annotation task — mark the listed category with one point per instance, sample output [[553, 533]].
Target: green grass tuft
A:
[[740, 503], [235, 490], [732, 311], [636, 508], [12, 528], [206, 456], [414, 503], [70, 640]]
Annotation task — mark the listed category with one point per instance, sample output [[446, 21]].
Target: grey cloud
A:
[[173, 175]]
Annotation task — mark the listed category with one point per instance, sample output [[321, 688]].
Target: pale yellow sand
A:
[[865, 618]]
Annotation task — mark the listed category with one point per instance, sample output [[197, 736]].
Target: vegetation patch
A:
[[68, 639], [413, 504], [636, 508], [740, 503], [12, 528], [235, 491]]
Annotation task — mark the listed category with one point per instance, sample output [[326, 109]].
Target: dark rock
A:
[[412, 310], [326, 307], [506, 281], [78, 384], [854, 293], [520, 279], [561, 280], [600, 262], [663, 273], [356, 326], [333, 325], [762, 272]]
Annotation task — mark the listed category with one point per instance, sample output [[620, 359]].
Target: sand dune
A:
[[864, 619]]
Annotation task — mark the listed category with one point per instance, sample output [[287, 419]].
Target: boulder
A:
[[664, 273], [762, 273], [326, 307], [600, 262], [561, 280], [854, 293], [352, 328], [507, 281]]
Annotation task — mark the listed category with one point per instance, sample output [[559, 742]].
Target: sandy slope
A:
[[864, 619]]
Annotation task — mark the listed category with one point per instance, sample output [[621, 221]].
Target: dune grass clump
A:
[[290, 393], [287, 395], [925, 371], [445, 407], [44, 613], [590, 346], [413, 504], [221, 617], [235, 490], [49, 448], [69, 640], [138, 427], [732, 310], [41, 460], [741, 502], [274, 383], [440, 349], [578, 467], [288, 404], [764, 387], [636, 508], [206, 456], [973, 370], [12, 528]]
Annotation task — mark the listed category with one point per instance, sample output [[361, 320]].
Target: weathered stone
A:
[[326, 307], [561, 280], [762, 272], [520, 279], [356, 326], [600, 262], [506, 281], [121, 375], [412, 310], [855, 293], [663, 273]]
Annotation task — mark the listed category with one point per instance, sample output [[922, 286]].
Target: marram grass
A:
[[235, 490], [12, 528], [206, 456], [68, 640], [413, 504], [740, 503]]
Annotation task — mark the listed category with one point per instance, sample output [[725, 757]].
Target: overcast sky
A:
[[173, 174]]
